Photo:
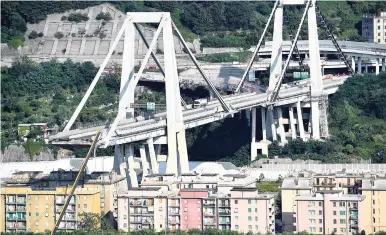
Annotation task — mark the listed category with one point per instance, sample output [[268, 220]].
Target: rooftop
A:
[[244, 189]]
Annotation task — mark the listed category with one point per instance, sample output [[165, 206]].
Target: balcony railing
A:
[[354, 208], [353, 217]]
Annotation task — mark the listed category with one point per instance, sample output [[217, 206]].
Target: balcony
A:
[[224, 222], [174, 221], [354, 208], [209, 203], [224, 212], [209, 214], [354, 226], [353, 217]]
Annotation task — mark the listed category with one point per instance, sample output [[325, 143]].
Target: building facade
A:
[[328, 212], [184, 206], [374, 28]]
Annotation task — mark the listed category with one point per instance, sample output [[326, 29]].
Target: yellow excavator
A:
[[83, 167]]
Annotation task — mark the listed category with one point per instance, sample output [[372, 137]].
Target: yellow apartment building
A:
[[374, 189], [33, 196]]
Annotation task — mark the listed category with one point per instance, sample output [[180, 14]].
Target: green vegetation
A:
[[269, 186], [104, 16], [34, 147], [77, 17], [241, 56]]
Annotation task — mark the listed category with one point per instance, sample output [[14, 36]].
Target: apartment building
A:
[[32, 198], [292, 187], [194, 201], [374, 28], [329, 211], [26, 209], [374, 215]]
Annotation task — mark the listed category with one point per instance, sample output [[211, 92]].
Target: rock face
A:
[[85, 41], [17, 153]]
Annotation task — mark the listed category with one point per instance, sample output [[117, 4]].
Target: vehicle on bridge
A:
[[200, 103]]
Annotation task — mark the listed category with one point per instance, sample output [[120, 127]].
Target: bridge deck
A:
[[132, 130]]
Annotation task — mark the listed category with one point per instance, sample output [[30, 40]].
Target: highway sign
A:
[[150, 106]]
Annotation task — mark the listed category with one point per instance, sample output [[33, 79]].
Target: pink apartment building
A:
[[241, 208], [251, 211], [327, 212]]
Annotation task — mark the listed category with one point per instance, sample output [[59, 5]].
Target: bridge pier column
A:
[[281, 125], [353, 63], [292, 123], [253, 134], [359, 65], [271, 124], [366, 68], [263, 124], [128, 154], [376, 66], [300, 121], [152, 154], [383, 65], [144, 162]]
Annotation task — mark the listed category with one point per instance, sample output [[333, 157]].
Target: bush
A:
[[64, 51], [64, 18], [78, 17], [33, 35], [104, 16], [40, 34], [15, 43], [73, 34], [59, 35]]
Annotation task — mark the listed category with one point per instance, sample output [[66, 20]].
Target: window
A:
[[312, 229], [320, 203], [236, 201], [185, 201], [334, 204], [236, 218], [373, 192], [334, 212], [320, 230], [199, 218], [78, 205], [341, 204], [334, 221], [198, 209], [46, 205], [46, 198], [342, 221], [342, 212], [198, 201], [335, 230], [249, 218], [255, 218], [311, 212], [320, 213], [85, 206], [236, 226], [250, 227], [37, 223], [37, 214], [160, 225], [36, 197], [373, 202], [185, 209], [320, 221], [249, 210], [312, 221], [249, 201], [343, 230], [46, 224], [310, 204], [46, 214], [256, 227], [236, 210], [36, 206], [256, 210]]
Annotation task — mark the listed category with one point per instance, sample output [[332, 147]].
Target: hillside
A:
[[218, 24]]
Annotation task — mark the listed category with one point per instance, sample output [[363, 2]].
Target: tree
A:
[[16, 43], [90, 222], [261, 177], [363, 232], [33, 35]]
